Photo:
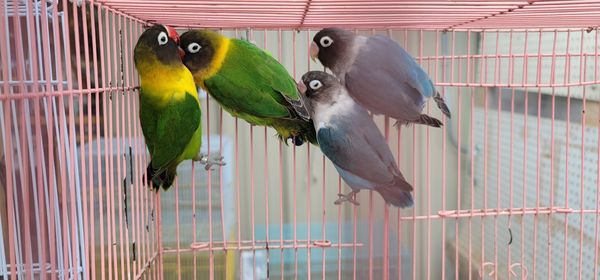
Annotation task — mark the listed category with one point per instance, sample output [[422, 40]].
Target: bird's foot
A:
[[209, 162], [350, 197]]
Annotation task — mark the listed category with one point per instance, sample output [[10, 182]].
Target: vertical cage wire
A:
[[517, 165], [59, 73]]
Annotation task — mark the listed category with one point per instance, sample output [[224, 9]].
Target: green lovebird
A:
[[248, 83], [169, 106]]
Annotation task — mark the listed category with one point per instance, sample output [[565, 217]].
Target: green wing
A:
[[252, 83], [148, 118], [172, 131]]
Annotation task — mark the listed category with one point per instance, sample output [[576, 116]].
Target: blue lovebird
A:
[[379, 74], [350, 139]]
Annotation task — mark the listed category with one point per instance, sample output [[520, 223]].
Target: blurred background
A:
[[509, 185]]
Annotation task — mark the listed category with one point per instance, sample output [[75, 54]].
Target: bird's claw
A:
[[218, 160], [350, 197], [208, 162]]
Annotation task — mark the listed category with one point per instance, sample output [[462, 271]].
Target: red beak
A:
[[314, 51], [172, 33], [301, 87], [181, 53]]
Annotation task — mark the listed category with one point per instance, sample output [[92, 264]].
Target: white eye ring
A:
[[162, 38], [326, 41], [315, 84], [194, 47]]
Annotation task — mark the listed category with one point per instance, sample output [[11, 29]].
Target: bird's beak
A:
[[301, 87], [181, 52], [314, 51], [172, 33]]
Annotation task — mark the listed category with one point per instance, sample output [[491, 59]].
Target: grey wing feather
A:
[[354, 143], [387, 80], [377, 143], [399, 58]]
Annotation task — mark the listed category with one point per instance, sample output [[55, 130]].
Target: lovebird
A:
[[170, 114], [350, 139], [379, 74], [248, 83]]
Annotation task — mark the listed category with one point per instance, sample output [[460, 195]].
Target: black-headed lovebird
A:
[[170, 113], [248, 83]]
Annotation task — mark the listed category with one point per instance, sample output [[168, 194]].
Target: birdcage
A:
[[508, 188]]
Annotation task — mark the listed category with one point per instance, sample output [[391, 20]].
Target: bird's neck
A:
[[162, 84], [216, 63], [336, 106], [344, 64]]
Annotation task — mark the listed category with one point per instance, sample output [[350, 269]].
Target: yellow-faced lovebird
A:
[[248, 83], [350, 139], [379, 74], [169, 107]]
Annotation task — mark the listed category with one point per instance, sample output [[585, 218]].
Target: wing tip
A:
[[396, 197], [398, 194]]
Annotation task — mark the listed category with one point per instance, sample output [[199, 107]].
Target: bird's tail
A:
[[442, 104], [156, 180], [397, 194]]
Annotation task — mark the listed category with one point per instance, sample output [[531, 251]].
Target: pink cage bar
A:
[[508, 188]]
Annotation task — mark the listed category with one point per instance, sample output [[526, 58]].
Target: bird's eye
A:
[[162, 38], [315, 84], [194, 47], [326, 41]]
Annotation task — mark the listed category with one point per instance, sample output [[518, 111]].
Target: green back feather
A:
[[251, 84]]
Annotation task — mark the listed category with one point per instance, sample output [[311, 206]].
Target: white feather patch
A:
[[324, 112], [321, 125]]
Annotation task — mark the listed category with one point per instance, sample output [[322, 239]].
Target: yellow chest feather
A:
[[163, 83]]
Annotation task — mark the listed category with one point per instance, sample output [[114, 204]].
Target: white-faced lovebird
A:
[[350, 139], [379, 74]]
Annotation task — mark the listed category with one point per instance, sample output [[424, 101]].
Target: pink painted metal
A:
[[42, 242], [370, 217], [444, 167], [353, 13], [598, 170], [9, 175], [76, 203], [427, 163], [22, 152]]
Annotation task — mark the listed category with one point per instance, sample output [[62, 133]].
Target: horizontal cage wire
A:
[[507, 188]]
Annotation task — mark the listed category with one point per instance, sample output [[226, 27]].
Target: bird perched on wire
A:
[[379, 74], [348, 136], [248, 83], [170, 113]]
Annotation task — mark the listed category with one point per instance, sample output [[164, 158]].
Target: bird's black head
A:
[[330, 45], [161, 41], [318, 87], [200, 47]]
